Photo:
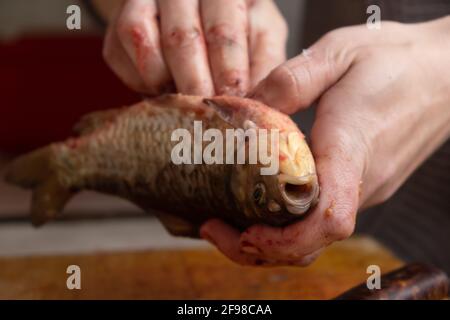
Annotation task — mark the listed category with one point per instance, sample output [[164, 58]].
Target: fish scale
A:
[[127, 152]]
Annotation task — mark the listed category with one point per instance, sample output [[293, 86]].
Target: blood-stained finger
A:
[[184, 46], [267, 40], [137, 29], [225, 24], [119, 61], [226, 239]]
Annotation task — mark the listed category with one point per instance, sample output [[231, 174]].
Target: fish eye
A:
[[259, 194]]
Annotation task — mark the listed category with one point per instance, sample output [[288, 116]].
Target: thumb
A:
[[297, 83]]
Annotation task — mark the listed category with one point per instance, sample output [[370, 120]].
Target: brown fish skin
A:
[[127, 152]]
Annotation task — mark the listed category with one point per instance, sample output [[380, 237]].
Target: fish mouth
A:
[[299, 193]]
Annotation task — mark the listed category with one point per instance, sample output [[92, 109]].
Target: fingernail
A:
[[247, 247]]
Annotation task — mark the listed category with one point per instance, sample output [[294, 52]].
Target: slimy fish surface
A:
[[126, 152]]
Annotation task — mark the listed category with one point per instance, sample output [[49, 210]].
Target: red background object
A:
[[48, 83]]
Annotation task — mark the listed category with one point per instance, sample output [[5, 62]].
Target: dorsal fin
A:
[[94, 120]]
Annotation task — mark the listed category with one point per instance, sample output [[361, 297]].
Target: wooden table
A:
[[190, 274]]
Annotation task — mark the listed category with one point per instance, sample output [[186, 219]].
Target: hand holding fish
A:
[[366, 84]]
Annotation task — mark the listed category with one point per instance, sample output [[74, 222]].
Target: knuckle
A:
[[341, 43], [131, 28], [329, 37], [222, 34], [284, 77], [179, 37], [336, 35], [336, 41], [232, 82], [341, 223], [134, 16]]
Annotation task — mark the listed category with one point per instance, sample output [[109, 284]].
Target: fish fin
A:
[[34, 171], [236, 111], [222, 110], [178, 226], [247, 113], [94, 120]]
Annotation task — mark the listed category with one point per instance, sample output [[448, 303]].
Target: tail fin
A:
[[35, 171]]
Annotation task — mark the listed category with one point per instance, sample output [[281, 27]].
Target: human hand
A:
[[383, 108], [203, 47]]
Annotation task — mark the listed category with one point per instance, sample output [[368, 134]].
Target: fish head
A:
[[280, 195], [283, 196]]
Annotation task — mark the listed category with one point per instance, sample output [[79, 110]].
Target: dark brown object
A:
[[413, 282]]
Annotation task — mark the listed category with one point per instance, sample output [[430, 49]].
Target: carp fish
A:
[[127, 152]]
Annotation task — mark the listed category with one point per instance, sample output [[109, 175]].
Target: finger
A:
[[340, 163], [184, 46], [297, 83], [300, 261], [137, 28], [119, 62], [226, 239], [225, 23], [267, 42]]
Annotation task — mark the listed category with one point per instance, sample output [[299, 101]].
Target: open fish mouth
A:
[[299, 193]]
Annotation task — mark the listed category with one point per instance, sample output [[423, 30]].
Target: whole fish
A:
[[128, 152]]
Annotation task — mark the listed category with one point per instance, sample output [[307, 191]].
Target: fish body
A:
[[128, 152]]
